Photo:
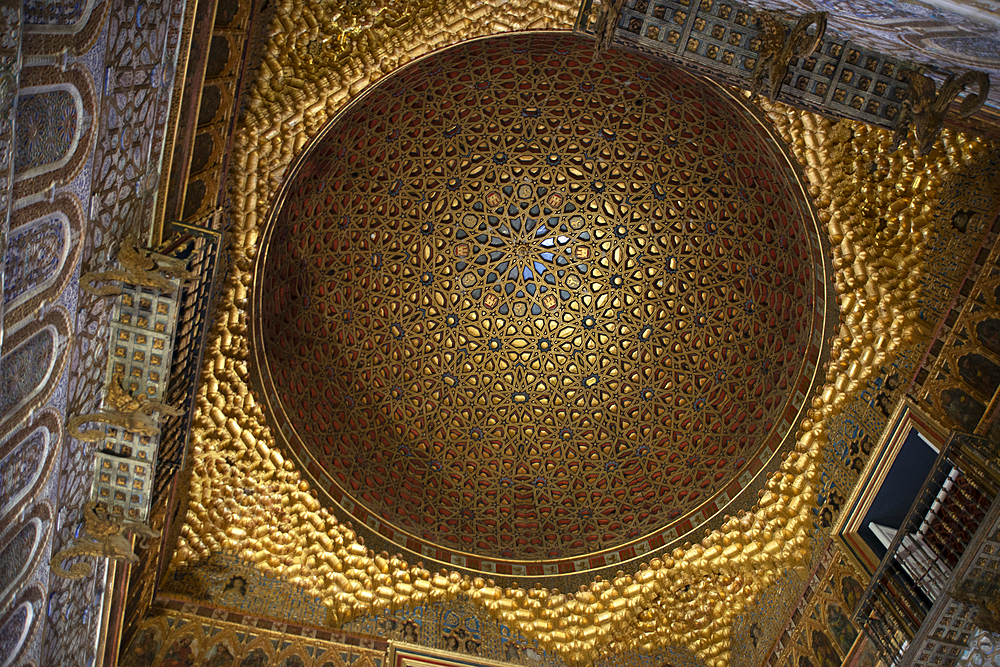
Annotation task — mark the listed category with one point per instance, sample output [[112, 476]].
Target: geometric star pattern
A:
[[525, 302]]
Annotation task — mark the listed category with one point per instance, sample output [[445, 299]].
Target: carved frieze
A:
[[10, 67]]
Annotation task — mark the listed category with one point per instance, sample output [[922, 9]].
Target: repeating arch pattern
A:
[[32, 362], [537, 305], [20, 553], [41, 254], [26, 460], [55, 111]]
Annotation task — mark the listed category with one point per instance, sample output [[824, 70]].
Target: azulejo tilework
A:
[[33, 256], [46, 124], [525, 303], [53, 12], [25, 368]]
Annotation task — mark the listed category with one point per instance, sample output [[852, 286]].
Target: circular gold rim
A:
[[261, 378]]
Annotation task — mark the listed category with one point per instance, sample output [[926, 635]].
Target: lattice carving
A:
[[719, 39], [575, 337], [144, 319], [950, 625], [144, 323], [204, 257]]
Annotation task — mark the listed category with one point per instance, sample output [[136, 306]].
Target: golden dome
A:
[[520, 302]]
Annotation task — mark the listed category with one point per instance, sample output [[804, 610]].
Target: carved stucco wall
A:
[[45, 479]]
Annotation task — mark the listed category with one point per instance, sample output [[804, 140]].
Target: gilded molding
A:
[[246, 498]]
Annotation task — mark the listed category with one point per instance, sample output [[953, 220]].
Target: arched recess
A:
[[17, 626], [987, 334], [220, 57], [42, 249], [55, 129], [49, 124], [76, 33], [26, 461], [32, 361], [20, 550]]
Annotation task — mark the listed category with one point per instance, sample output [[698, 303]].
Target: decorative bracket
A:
[[122, 411], [103, 536], [607, 21], [140, 267], [925, 106], [778, 49]]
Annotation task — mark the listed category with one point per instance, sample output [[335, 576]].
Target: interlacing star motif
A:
[[492, 275]]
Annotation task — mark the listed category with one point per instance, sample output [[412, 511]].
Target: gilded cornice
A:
[[246, 498]]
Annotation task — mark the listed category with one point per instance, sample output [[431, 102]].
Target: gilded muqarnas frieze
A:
[[246, 498]]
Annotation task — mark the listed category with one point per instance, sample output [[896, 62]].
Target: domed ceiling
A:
[[526, 309]]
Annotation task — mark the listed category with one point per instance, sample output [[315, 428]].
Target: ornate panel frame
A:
[[49, 421], [78, 41], [68, 206], [57, 322], [70, 29], [41, 516], [31, 600], [77, 82]]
